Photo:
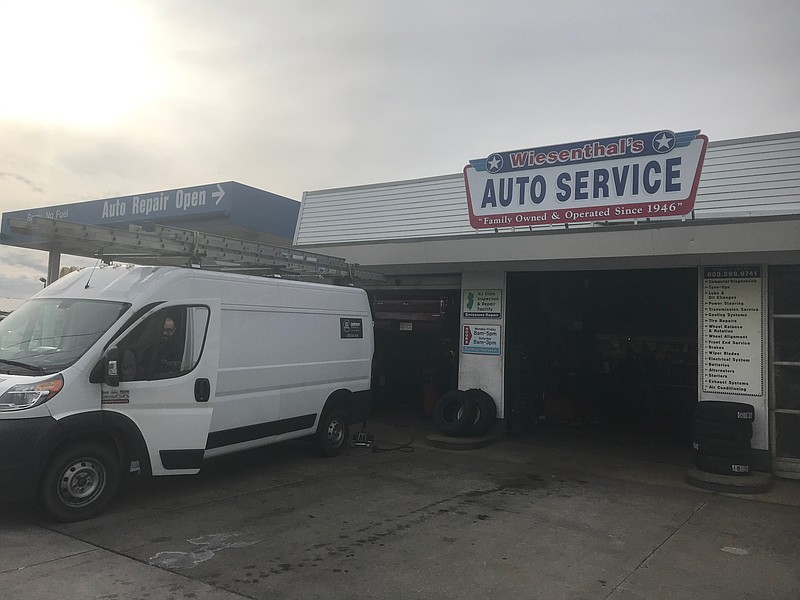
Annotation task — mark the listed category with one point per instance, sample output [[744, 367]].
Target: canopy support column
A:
[[53, 263]]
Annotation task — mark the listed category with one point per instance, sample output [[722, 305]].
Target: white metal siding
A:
[[759, 176], [741, 178], [421, 208]]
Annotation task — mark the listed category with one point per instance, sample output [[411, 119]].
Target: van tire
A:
[[333, 432], [455, 413], [80, 482]]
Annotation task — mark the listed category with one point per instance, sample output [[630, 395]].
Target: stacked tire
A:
[[464, 413], [722, 433]]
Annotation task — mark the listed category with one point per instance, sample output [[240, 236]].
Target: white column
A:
[[484, 371]]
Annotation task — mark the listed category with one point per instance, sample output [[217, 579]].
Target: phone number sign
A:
[[639, 176]]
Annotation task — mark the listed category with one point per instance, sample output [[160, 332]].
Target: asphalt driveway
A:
[[513, 520]]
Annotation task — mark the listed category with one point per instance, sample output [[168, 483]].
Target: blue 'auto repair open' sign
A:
[[640, 176]]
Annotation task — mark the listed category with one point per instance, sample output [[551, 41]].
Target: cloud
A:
[[25, 259], [22, 269], [295, 96], [19, 277], [21, 179]]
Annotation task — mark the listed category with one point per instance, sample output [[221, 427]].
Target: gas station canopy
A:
[[220, 226]]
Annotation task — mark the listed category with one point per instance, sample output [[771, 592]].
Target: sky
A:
[[102, 99]]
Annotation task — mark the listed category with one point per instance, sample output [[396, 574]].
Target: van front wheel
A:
[[80, 482], [333, 432]]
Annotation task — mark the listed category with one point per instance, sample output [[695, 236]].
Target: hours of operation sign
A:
[[732, 349], [481, 339]]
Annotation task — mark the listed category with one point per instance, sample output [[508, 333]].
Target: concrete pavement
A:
[[513, 520]]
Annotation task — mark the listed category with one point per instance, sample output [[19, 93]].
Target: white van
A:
[[163, 367]]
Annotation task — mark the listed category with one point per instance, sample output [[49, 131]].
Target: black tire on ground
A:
[[486, 411], [80, 482], [722, 465], [454, 413], [732, 430], [725, 448], [333, 432], [724, 411]]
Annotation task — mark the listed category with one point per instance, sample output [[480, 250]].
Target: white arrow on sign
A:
[[218, 195]]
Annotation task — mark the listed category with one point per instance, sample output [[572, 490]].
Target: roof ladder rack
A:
[[161, 245]]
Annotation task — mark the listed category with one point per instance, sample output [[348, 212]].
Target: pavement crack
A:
[[44, 562], [658, 547]]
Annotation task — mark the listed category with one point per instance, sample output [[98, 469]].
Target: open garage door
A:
[[604, 358], [416, 348]]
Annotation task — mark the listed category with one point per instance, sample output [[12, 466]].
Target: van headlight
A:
[[28, 395]]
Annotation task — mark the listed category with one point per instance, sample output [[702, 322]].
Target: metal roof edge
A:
[[599, 227], [759, 138], [260, 191], [299, 218], [385, 184]]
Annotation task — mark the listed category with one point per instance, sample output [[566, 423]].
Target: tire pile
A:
[[464, 413], [722, 432]]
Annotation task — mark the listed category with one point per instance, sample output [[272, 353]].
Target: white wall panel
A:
[[741, 178]]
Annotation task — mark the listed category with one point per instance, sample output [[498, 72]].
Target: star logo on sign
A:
[[664, 142], [494, 163]]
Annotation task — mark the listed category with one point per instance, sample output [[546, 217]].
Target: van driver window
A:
[[166, 344]]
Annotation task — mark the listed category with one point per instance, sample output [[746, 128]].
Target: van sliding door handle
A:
[[202, 390]]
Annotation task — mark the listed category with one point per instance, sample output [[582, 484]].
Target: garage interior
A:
[[603, 360], [416, 349]]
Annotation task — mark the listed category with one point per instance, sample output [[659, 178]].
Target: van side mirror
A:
[[111, 367]]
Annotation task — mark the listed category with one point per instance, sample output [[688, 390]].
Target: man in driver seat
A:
[[170, 350]]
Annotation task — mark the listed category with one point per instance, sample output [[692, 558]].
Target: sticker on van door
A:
[[116, 397], [350, 328]]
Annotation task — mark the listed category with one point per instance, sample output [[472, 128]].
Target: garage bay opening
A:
[[416, 349], [604, 360]]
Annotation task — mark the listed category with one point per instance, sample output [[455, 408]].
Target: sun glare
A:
[[83, 63]]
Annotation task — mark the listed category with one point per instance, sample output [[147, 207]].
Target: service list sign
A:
[[732, 356], [641, 176]]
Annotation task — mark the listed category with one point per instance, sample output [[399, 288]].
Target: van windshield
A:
[[49, 334]]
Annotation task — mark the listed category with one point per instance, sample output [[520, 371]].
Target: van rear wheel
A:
[[333, 432], [80, 482]]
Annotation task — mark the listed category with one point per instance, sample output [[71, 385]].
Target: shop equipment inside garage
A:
[[416, 348], [603, 357]]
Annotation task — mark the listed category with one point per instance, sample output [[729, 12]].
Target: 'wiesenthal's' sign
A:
[[641, 176]]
